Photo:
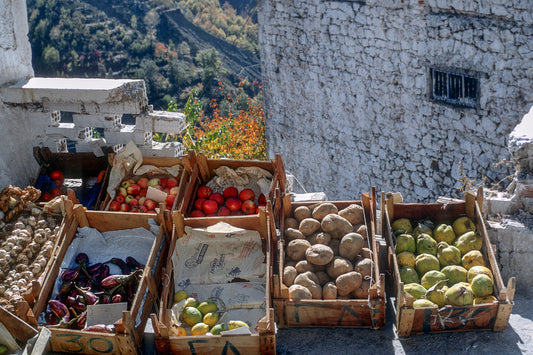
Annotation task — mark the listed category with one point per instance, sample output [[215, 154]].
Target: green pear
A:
[[444, 233], [448, 254]]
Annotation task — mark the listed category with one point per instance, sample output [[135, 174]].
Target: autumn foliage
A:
[[226, 133]]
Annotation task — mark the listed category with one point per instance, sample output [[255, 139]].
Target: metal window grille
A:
[[454, 88]]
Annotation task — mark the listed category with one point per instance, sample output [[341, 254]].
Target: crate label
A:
[[457, 318], [81, 343], [229, 347]]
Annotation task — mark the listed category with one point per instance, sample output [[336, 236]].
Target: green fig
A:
[[448, 254]]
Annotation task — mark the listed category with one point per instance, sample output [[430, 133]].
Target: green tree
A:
[[51, 57]]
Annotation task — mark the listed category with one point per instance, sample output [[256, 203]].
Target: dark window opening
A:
[[454, 88]]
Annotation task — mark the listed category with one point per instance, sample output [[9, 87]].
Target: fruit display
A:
[[131, 194], [442, 264], [229, 202], [199, 318], [90, 284], [326, 253], [27, 240]]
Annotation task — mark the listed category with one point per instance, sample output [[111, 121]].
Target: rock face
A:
[[348, 91]]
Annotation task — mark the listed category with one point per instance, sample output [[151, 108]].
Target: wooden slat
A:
[[216, 344], [19, 329], [79, 213], [106, 221], [503, 315], [203, 167]]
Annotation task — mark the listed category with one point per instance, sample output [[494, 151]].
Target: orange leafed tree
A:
[[234, 134]]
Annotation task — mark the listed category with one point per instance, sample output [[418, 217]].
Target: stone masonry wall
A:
[[347, 95]]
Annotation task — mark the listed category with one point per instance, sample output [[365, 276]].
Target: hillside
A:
[[150, 40]]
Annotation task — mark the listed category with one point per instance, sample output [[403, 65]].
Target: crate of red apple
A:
[[231, 202], [143, 194]]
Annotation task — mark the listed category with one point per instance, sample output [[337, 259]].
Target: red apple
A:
[[57, 177], [134, 202], [149, 204], [248, 207], [174, 190], [120, 199], [46, 197], [129, 198], [143, 192], [233, 204], [217, 197], [56, 192], [170, 200], [198, 203], [209, 206], [247, 194], [172, 182], [114, 206], [127, 182], [223, 211], [204, 192], [163, 182], [124, 207], [134, 208], [133, 189], [236, 213], [143, 182], [142, 209], [166, 190], [122, 191], [230, 192], [262, 200], [197, 213]]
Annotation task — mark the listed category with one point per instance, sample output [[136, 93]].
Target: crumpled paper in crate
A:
[[128, 162], [252, 177], [217, 254]]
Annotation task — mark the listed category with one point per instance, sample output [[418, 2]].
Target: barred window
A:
[[454, 88]]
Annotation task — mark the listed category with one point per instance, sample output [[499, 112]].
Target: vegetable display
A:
[[89, 284]]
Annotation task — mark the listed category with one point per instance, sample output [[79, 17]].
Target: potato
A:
[[362, 230], [364, 267], [347, 283], [292, 234], [319, 254], [302, 212], [351, 245], [366, 253], [353, 213], [289, 274], [291, 223], [322, 277], [323, 210], [329, 291], [308, 226], [310, 281], [319, 238], [362, 291], [296, 249], [304, 265], [338, 266], [299, 292], [334, 245], [336, 226]]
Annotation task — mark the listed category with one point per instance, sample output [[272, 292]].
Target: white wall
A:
[[346, 91], [17, 164]]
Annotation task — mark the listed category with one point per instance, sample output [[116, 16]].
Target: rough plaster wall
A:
[[346, 91], [17, 164]]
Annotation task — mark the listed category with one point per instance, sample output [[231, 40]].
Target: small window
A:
[[454, 88]]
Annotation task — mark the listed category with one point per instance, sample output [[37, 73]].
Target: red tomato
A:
[[57, 177]]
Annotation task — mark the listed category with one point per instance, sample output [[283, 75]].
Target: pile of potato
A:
[[326, 253]]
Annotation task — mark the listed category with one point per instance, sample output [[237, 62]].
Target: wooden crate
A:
[[354, 313], [75, 166], [19, 329], [262, 343], [410, 320], [127, 338], [203, 172]]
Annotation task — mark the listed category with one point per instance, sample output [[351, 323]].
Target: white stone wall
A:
[[17, 164], [346, 88]]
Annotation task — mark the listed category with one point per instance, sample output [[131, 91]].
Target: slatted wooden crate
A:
[[76, 166], [264, 342], [204, 170], [356, 313], [127, 338], [410, 320]]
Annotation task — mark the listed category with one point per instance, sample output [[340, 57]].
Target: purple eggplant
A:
[[99, 328], [104, 272], [121, 264], [70, 275], [133, 264], [94, 269], [59, 309], [116, 280], [82, 259], [117, 298], [82, 319], [65, 288], [74, 303], [89, 296], [106, 298]]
